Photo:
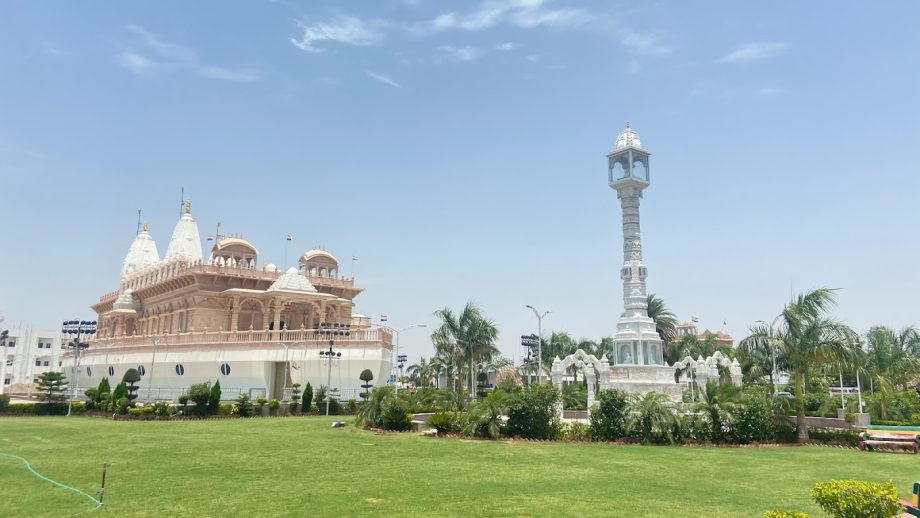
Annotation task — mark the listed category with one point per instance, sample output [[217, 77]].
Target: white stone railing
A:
[[164, 271], [295, 336]]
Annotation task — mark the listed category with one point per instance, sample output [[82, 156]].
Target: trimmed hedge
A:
[[857, 499]]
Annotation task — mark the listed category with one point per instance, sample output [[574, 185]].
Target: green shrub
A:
[[351, 407], [136, 411], [532, 413], [295, 397], [576, 431], [608, 417], [444, 422], [857, 499], [273, 406], [225, 409], [200, 394], [4, 402], [261, 401], [79, 407], [183, 400], [395, 415], [58, 408], [371, 412], [22, 408], [306, 402], [121, 405], [147, 410], [214, 406], [482, 419], [161, 409], [130, 379], [776, 513], [834, 435], [752, 421], [243, 406]]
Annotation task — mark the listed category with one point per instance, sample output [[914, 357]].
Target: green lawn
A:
[[301, 467]]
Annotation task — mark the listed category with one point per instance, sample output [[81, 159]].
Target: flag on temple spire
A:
[[290, 237]]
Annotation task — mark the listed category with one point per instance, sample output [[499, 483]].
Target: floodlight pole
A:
[[539, 341], [153, 360]]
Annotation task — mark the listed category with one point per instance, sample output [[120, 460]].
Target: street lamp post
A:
[[76, 329], [331, 331], [153, 360], [539, 341], [401, 359]]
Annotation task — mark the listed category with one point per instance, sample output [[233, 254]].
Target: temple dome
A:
[[628, 138], [292, 280], [185, 242], [141, 254], [317, 253]]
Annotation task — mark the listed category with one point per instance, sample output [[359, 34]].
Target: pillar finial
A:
[[188, 206]]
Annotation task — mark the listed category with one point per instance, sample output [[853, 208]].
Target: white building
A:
[[28, 353]]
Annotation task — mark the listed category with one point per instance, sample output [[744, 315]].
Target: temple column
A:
[[234, 313], [276, 326]]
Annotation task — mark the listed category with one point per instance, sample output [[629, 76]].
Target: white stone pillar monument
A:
[[636, 341]]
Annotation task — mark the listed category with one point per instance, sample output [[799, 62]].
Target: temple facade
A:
[[186, 318]]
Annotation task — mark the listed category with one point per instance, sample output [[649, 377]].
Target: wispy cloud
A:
[[466, 53], [382, 78], [510, 45], [137, 63], [533, 58], [643, 43], [174, 53], [240, 76], [521, 13], [345, 29], [770, 91], [158, 56], [754, 52]]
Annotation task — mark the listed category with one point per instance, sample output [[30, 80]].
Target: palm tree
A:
[[757, 353], [891, 362], [465, 338], [718, 402], [651, 415], [420, 373], [665, 321], [805, 340]]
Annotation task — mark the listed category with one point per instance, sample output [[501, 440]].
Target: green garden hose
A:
[[58, 484]]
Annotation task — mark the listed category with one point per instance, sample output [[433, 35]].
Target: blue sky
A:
[[458, 149]]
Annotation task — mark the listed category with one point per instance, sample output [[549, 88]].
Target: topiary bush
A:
[[200, 394], [857, 499], [306, 401], [395, 416], [136, 411], [532, 413], [608, 417]]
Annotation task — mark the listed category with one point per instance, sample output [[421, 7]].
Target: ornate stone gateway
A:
[[588, 367]]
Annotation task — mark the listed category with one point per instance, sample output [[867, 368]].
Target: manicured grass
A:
[[301, 467]]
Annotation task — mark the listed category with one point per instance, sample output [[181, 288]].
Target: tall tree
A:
[[891, 362], [466, 337], [665, 321], [806, 339]]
